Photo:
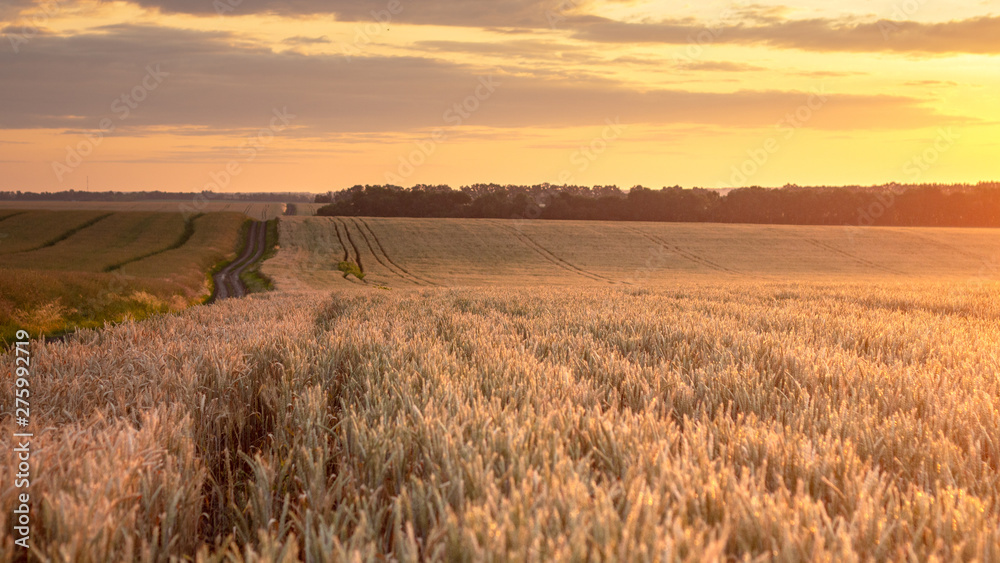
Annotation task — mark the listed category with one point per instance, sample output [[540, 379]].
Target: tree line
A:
[[953, 205]]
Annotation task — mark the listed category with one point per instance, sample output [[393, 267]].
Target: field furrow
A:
[[350, 240], [375, 254], [39, 229], [861, 261], [105, 245], [922, 237], [684, 253], [548, 255], [337, 226], [214, 240], [402, 272], [459, 252], [161, 234], [7, 215]]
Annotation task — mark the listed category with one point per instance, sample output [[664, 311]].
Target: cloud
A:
[[827, 73], [931, 83], [553, 52], [11, 9], [976, 35], [749, 24], [74, 82], [301, 40], [752, 24], [718, 66], [474, 13], [522, 48]]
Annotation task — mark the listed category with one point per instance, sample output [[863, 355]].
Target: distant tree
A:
[[929, 205]]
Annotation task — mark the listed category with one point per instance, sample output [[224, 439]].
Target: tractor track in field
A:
[[336, 228], [371, 248], [939, 244], [227, 281], [362, 226], [683, 253], [15, 214], [357, 254], [186, 235], [856, 259], [347, 253], [69, 233], [551, 257]]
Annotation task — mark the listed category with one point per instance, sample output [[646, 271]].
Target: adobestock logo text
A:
[[121, 107]]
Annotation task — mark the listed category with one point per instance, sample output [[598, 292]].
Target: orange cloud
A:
[[976, 35], [76, 82]]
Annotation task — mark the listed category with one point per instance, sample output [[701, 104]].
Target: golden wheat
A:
[[486, 252], [804, 421], [113, 240], [82, 269]]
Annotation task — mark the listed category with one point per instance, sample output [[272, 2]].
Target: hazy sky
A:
[[312, 95]]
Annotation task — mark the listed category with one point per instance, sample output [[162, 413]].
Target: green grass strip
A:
[[181, 241], [14, 214], [70, 232]]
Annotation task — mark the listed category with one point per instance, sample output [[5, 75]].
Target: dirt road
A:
[[227, 280]]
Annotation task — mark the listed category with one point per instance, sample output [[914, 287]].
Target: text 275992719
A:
[[22, 440]]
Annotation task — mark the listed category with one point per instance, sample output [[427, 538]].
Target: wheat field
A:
[[677, 415], [487, 252], [65, 269], [23, 230], [797, 422], [114, 239]]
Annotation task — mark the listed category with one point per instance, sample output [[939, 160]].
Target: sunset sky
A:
[[314, 95]]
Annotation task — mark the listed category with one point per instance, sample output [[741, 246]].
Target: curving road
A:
[[227, 280]]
